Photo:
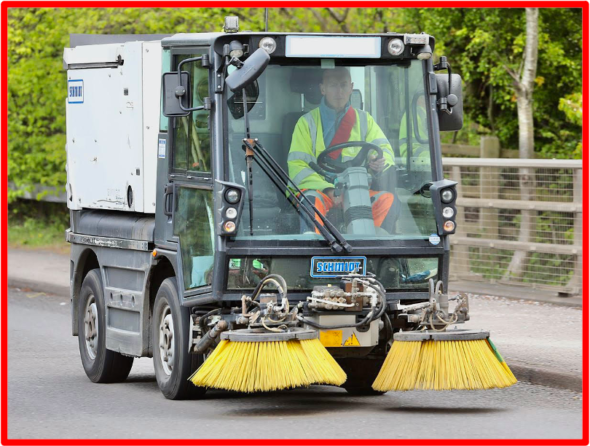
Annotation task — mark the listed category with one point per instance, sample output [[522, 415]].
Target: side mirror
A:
[[452, 118], [425, 190], [170, 88], [176, 90], [249, 72]]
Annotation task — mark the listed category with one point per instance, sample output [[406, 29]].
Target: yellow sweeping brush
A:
[[455, 359], [260, 361]]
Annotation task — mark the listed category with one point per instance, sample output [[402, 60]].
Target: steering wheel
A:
[[326, 163]]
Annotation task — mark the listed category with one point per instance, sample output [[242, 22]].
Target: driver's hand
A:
[[376, 165], [336, 200]]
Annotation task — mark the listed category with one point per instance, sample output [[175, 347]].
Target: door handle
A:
[[168, 199]]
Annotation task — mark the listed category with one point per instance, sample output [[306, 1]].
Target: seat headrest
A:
[[307, 81]]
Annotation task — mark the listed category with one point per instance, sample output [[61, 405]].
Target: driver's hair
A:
[[337, 71]]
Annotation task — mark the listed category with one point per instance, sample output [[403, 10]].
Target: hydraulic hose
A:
[[209, 338]]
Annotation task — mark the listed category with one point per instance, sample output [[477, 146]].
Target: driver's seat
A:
[[305, 81]]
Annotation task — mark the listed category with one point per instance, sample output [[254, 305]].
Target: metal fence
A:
[[518, 222]]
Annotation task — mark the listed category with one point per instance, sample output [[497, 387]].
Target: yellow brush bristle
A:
[[267, 366], [443, 365], [325, 367]]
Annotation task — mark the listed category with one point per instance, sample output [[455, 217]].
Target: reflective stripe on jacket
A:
[[308, 142]]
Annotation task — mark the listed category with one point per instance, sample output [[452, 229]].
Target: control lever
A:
[[330, 177]]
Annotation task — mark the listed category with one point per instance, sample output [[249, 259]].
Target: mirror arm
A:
[[193, 59], [200, 107], [444, 102], [181, 91], [236, 62]]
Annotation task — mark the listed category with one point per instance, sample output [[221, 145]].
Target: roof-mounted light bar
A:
[[334, 47]]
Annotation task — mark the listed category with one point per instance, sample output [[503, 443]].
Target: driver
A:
[[335, 121]]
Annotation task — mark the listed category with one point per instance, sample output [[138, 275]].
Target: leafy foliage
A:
[[479, 42], [571, 105], [483, 43]]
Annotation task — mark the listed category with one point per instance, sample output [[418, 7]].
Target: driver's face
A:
[[336, 87]]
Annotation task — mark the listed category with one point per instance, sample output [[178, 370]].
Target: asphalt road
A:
[[49, 396]]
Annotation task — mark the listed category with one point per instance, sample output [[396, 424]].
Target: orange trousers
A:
[[381, 203]]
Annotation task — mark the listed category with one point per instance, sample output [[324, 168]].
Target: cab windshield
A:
[[367, 191]]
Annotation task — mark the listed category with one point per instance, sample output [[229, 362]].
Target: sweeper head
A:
[[442, 359], [272, 354]]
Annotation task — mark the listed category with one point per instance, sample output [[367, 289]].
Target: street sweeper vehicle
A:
[[260, 211]]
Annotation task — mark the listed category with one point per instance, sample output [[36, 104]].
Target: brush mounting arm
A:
[[434, 314]]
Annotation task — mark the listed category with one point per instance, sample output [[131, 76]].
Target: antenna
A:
[[265, 19]]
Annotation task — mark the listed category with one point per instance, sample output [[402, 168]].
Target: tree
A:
[[571, 105], [524, 84]]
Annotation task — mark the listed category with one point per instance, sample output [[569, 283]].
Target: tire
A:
[[170, 328], [360, 375], [101, 365]]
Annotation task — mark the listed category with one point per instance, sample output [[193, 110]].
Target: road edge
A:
[[546, 377], [42, 287]]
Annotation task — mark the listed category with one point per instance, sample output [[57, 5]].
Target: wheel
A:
[[173, 363], [360, 374], [101, 365]]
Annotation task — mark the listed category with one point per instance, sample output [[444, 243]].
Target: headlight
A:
[[449, 226], [395, 47], [268, 44], [447, 212], [229, 226], [447, 195], [232, 196], [232, 213]]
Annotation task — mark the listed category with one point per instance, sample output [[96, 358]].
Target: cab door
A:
[[187, 203], [194, 228]]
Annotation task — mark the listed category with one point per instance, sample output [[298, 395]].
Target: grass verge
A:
[[37, 229]]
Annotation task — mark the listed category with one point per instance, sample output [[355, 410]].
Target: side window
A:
[[165, 69], [193, 224], [192, 136], [418, 128]]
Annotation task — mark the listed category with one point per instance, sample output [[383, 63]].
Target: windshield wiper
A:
[[282, 181]]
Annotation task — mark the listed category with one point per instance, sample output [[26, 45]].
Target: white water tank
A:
[[112, 120]]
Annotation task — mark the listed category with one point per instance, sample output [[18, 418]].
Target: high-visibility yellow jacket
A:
[[308, 142]]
